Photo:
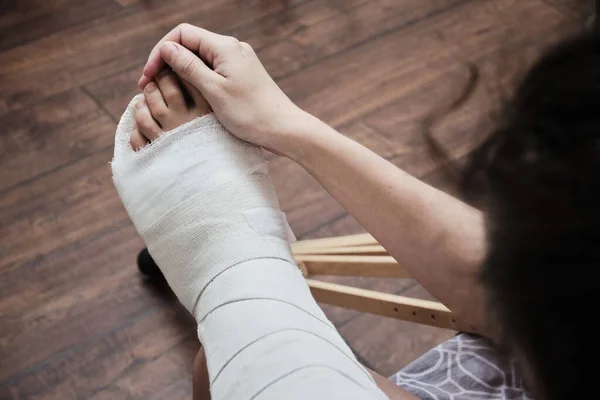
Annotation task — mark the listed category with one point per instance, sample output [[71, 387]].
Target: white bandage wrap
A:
[[205, 207]]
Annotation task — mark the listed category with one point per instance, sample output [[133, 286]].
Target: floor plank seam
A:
[[247, 24], [85, 240], [280, 40], [57, 32], [137, 362], [98, 104], [397, 28], [59, 355], [520, 44], [58, 168], [113, 74], [401, 26]]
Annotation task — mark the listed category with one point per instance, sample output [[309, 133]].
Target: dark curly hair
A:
[[539, 176]]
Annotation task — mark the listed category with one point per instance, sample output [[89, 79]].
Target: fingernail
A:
[[169, 50], [143, 81]]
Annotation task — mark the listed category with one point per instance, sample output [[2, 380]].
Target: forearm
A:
[[436, 237]]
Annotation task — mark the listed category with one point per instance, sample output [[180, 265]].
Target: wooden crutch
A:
[[354, 255], [361, 255]]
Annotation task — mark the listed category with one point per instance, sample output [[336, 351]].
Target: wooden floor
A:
[[77, 321]]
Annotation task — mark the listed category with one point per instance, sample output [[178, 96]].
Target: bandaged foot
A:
[[203, 203], [208, 201]]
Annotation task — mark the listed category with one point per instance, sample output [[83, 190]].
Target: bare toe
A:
[[144, 121], [137, 140], [176, 112], [168, 103], [171, 91], [157, 105]]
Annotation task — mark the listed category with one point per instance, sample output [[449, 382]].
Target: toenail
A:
[[151, 87], [139, 105]]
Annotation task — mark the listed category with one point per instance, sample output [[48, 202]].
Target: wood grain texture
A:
[[59, 209], [107, 45], [49, 134], [352, 265], [424, 312], [302, 39], [370, 250], [77, 321], [24, 21]]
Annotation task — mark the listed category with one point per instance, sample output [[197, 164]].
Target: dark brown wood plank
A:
[[107, 45], [161, 377], [75, 295], [27, 137], [308, 34], [370, 76], [61, 272], [116, 91], [404, 60], [51, 133], [146, 354], [25, 20], [357, 26], [58, 210], [289, 21]]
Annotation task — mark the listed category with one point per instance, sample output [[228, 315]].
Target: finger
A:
[[189, 36], [190, 68], [145, 123], [155, 102], [170, 89], [155, 63], [201, 106], [137, 140]]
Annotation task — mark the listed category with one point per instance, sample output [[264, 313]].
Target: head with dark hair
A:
[[540, 175]]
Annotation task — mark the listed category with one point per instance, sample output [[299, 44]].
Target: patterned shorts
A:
[[467, 367]]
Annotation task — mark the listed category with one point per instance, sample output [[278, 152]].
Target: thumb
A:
[[189, 67]]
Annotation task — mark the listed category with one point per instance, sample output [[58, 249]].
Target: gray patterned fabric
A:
[[467, 367]]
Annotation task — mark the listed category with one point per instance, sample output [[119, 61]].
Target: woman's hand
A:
[[438, 239], [231, 77]]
